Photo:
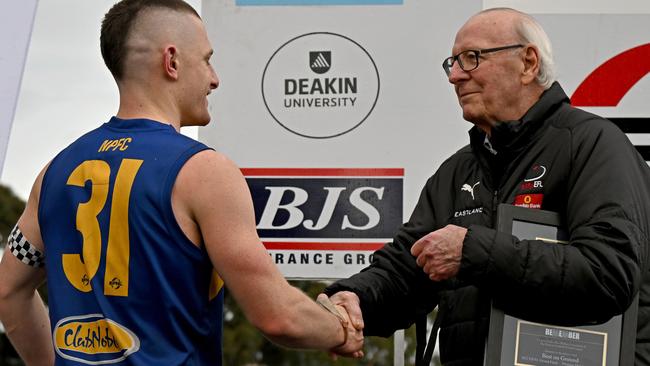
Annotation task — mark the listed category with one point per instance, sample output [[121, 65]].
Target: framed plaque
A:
[[516, 341]]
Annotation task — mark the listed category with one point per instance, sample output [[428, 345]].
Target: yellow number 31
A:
[[80, 273]]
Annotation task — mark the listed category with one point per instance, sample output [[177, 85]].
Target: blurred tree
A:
[[10, 209]]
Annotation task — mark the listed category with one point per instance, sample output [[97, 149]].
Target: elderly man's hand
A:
[[439, 252], [347, 303]]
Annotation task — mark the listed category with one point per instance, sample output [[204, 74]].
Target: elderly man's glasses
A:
[[468, 60]]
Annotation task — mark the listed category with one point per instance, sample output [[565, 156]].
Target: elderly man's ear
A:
[[531, 64]]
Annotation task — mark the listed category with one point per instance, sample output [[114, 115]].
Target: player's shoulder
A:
[[209, 168], [210, 160]]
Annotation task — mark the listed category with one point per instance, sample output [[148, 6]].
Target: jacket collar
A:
[[509, 137]]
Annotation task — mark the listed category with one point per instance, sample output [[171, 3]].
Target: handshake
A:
[[437, 253], [345, 306]]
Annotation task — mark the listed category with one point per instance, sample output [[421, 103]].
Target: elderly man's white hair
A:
[[530, 31]]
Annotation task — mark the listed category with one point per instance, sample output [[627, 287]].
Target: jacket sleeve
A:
[[393, 290], [598, 273]]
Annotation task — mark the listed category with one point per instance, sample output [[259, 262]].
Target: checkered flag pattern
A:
[[24, 251]]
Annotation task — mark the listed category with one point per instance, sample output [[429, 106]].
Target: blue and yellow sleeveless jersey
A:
[[126, 286]]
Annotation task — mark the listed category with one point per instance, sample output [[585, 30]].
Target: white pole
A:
[[399, 347]]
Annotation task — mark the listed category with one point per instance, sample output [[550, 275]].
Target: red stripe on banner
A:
[[608, 84], [310, 172], [274, 245]]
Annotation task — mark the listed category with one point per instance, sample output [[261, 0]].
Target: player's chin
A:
[[204, 119], [203, 122], [199, 121]]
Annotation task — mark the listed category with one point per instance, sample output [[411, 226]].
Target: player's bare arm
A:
[[22, 311], [212, 202]]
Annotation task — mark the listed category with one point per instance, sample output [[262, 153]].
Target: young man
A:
[[136, 227]]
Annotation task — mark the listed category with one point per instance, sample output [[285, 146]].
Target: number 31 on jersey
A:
[[116, 276]]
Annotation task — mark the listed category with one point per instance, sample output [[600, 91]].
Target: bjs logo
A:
[[326, 203]]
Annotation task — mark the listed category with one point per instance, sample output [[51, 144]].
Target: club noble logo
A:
[[320, 85]]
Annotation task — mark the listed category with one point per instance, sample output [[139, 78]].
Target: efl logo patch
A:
[[533, 182], [529, 200], [93, 340], [326, 209]]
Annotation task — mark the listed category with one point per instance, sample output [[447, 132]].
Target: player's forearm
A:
[[302, 323], [28, 327]]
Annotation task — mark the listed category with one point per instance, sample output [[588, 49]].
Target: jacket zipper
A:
[[495, 203]]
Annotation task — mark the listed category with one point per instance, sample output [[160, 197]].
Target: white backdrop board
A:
[[339, 110], [381, 134], [604, 61]]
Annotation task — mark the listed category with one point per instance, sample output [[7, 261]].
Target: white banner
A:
[[16, 22], [338, 110], [604, 66], [573, 6]]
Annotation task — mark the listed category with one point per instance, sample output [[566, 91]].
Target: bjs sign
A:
[[311, 213]]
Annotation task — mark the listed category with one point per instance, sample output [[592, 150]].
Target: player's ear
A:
[[170, 62]]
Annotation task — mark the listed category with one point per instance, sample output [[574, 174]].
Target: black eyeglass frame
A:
[[448, 63]]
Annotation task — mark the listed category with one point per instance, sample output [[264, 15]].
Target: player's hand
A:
[[439, 252], [353, 346], [347, 304]]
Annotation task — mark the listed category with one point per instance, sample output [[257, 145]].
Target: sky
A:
[[66, 89]]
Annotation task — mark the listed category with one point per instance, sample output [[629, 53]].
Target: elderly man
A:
[[450, 255]]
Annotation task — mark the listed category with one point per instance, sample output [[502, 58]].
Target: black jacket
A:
[[556, 158]]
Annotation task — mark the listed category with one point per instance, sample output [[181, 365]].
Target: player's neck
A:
[[154, 106]]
